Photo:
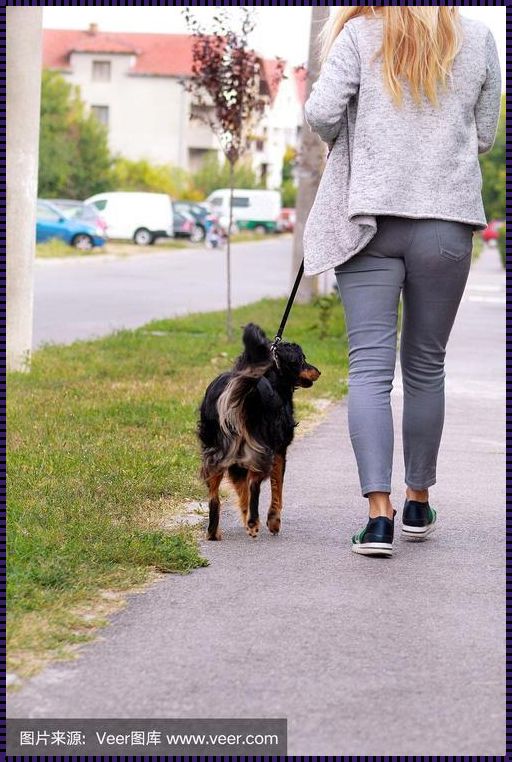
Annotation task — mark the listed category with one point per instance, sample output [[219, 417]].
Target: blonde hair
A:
[[419, 43]]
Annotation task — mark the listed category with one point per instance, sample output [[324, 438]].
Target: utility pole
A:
[[24, 40], [311, 160]]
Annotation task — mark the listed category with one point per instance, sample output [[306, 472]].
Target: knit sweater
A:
[[410, 160]]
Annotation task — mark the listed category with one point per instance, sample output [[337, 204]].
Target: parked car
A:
[[256, 210], [203, 218], [492, 231], [183, 223], [51, 223], [286, 221], [80, 211], [139, 217]]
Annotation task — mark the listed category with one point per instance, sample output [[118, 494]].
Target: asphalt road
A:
[[363, 656], [83, 298]]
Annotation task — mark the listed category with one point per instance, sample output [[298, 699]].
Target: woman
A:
[[425, 85]]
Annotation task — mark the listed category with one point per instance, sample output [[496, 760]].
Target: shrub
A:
[[213, 175], [502, 245], [141, 175], [289, 194]]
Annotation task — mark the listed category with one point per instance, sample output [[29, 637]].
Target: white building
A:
[[132, 83]]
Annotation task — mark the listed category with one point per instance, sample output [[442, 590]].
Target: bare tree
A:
[[228, 92], [311, 159]]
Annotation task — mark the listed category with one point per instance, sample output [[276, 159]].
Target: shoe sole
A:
[[373, 549], [417, 533]]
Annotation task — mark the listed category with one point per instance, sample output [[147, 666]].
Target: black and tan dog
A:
[[247, 423]]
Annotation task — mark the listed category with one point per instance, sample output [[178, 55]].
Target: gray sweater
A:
[[409, 161]]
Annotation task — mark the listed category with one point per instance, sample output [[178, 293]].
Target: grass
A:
[[478, 245], [245, 236], [502, 245], [102, 448], [57, 249]]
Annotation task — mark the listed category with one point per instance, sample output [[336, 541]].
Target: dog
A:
[[246, 424]]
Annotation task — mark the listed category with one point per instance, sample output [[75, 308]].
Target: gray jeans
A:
[[428, 261]]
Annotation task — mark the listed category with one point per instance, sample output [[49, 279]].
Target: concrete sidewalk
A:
[[363, 656]]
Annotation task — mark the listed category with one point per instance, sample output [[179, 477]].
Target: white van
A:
[[140, 217], [257, 210]]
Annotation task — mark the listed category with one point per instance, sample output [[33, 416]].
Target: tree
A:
[[141, 175], [493, 166], [74, 158], [288, 186], [213, 174], [228, 94], [311, 160]]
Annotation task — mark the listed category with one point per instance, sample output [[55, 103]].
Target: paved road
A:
[[363, 656], [82, 298]]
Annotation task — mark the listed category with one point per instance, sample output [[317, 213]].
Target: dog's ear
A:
[[257, 346]]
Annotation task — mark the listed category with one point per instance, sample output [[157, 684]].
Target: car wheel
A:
[[143, 237], [260, 229], [83, 242], [198, 234]]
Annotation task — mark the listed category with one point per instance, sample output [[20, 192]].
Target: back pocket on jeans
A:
[[455, 239]]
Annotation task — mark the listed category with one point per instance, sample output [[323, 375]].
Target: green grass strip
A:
[[102, 447]]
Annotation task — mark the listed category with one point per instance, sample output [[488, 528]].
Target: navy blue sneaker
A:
[[418, 520], [376, 539]]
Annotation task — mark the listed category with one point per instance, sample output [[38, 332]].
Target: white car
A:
[[256, 210], [138, 217]]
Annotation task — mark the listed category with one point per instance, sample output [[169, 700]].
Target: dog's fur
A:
[[247, 423]]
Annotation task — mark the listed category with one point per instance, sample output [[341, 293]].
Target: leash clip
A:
[[273, 350]]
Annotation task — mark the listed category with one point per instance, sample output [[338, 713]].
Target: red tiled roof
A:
[[159, 54], [109, 44], [273, 73], [165, 55], [301, 80]]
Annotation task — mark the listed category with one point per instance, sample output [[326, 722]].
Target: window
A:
[[241, 202], [216, 201], [101, 114], [100, 204], [101, 71], [47, 213]]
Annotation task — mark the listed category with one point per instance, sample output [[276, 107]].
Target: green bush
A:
[[213, 175], [502, 245], [289, 194], [141, 175], [493, 168]]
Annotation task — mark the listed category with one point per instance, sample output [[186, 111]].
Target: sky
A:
[[280, 31]]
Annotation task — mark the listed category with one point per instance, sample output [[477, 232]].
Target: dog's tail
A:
[[249, 369]]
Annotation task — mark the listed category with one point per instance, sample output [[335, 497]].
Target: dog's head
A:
[[291, 363], [288, 359]]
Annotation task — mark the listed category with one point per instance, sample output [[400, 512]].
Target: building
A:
[[132, 82]]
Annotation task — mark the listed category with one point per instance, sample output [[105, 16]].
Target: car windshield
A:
[[69, 213]]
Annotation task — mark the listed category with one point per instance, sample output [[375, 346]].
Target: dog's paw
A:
[[274, 523], [214, 535], [253, 527]]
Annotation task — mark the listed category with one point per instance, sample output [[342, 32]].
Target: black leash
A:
[[279, 334]]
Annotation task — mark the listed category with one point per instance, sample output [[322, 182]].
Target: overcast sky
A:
[[281, 31]]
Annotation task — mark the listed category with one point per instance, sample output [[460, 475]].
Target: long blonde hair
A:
[[419, 43]]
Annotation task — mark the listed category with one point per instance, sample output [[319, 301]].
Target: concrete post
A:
[[24, 40]]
